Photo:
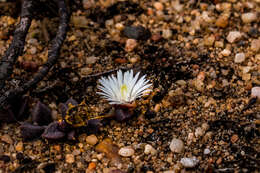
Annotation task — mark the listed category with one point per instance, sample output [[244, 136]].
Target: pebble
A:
[[79, 21], [209, 40], [255, 92], [234, 138], [234, 36], [92, 140], [166, 33], [120, 60], [206, 151], [92, 166], [148, 149], [205, 126], [126, 151], [176, 145], [33, 50], [189, 162], [19, 146], [110, 150], [225, 52], [239, 58], [222, 21], [249, 17], [199, 132], [158, 6], [91, 60], [69, 158], [86, 71], [137, 32], [255, 45], [7, 139], [130, 45], [253, 32], [177, 6], [87, 4], [76, 152]]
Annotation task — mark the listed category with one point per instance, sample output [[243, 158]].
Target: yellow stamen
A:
[[123, 90]]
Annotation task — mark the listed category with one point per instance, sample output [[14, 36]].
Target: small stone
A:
[[133, 60], [177, 6], [137, 32], [234, 36], [91, 167], [249, 17], [72, 38], [126, 151], [148, 149], [92, 140], [79, 21], [110, 149], [158, 6], [119, 26], [199, 132], [205, 126], [222, 21], [225, 52], [255, 45], [234, 138], [130, 45], [255, 92], [76, 152], [69, 158], [253, 32], [120, 60], [246, 76], [86, 71], [167, 33], [206, 151], [219, 161], [239, 58], [189, 162], [33, 50], [7, 139], [246, 69], [91, 60], [176, 145], [219, 44], [19, 147], [209, 40], [156, 37], [87, 4]]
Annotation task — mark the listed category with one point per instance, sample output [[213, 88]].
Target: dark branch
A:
[[53, 55], [17, 45]]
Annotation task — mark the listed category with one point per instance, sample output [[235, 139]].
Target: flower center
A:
[[123, 90]]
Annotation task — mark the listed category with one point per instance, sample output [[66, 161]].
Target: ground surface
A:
[[202, 75]]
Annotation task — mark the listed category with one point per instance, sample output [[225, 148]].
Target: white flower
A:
[[124, 88]]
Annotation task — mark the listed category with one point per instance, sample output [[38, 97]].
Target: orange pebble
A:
[[92, 166]]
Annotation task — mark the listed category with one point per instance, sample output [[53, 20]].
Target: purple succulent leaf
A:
[[52, 132], [122, 114], [41, 114], [30, 132], [93, 126]]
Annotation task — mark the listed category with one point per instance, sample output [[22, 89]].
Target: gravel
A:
[[202, 58]]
